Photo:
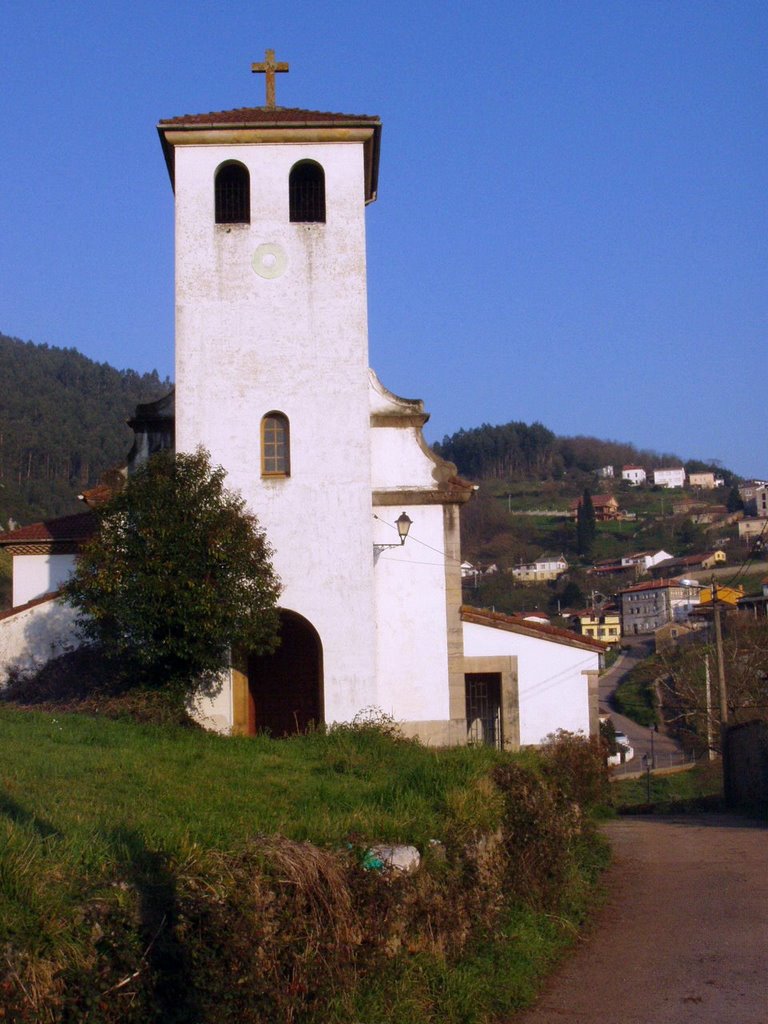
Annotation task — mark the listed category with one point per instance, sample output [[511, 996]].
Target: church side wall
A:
[[412, 663], [295, 342]]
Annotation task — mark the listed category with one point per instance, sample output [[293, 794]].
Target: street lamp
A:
[[403, 524]]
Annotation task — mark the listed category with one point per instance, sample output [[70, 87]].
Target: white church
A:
[[272, 378]]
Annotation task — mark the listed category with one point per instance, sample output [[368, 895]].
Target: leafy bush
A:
[[635, 695], [576, 764], [177, 574]]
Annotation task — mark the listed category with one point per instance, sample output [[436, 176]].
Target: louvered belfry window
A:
[[307, 192], [233, 194]]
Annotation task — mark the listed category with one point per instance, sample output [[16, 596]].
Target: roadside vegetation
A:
[[157, 873], [635, 696], [695, 789]]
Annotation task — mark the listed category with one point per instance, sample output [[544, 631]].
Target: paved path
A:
[[683, 938], [666, 751]]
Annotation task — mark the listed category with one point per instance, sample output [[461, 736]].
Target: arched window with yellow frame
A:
[[275, 445]]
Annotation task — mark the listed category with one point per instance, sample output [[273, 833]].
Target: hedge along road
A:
[[683, 937]]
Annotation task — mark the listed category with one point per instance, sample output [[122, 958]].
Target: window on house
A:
[[306, 187], [275, 445], [233, 194]]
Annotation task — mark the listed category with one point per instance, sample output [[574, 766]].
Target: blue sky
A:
[[571, 224]]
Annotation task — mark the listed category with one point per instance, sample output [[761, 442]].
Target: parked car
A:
[[624, 750]]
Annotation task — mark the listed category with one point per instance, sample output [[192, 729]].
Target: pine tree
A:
[[585, 526]]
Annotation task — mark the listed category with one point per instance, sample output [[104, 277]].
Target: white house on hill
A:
[[634, 474], [272, 378], [671, 477]]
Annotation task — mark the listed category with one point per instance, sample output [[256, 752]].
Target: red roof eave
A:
[[76, 528], [540, 630]]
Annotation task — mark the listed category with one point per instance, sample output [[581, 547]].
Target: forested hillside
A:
[[62, 424], [518, 451], [528, 477]]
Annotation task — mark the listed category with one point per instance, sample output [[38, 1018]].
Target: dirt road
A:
[[683, 938]]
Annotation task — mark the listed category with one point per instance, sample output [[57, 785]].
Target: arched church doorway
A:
[[285, 689]]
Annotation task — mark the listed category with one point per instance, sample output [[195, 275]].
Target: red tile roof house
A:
[[39, 625], [605, 505]]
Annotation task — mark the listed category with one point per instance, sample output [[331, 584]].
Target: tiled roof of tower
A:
[[259, 124], [263, 116]]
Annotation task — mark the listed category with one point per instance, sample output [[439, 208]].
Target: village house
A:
[[677, 634], [634, 474], [748, 494], [691, 563], [753, 528], [546, 567], [671, 477], [605, 505], [647, 606], [607, 567], [725, 595], [600, 623], [643, 561], [272, 379], [705, 481]]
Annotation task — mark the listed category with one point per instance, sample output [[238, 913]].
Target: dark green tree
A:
[[585, 525], [734, 501], [689, 537], [177, 574]]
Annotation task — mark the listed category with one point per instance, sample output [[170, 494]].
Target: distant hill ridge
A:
[[62, 424], [518, 451]]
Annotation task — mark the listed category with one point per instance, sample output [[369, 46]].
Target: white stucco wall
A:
[[35, 575], [411, 588], [296, 343], [32, 636], [214, 712], [553, 687], [412, 661]]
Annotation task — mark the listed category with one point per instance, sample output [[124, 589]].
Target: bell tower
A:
[[272, 350]]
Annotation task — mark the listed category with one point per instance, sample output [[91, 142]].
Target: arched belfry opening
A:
[[232, 194], [285, 689], [306, 188]]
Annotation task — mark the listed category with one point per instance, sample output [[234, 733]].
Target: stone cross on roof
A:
[[270, 67]]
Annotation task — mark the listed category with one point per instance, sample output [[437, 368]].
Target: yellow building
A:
[[602, 625], [725, 595]]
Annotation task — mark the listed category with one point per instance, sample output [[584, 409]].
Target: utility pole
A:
[[710, 751], [721, 688]]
